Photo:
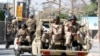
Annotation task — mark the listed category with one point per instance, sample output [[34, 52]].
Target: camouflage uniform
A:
[[56, 31], [9, 32], [87, 41], [67, 33], [72, 33], [15, 26], [9, 35], [23, 35], [31, 23], [31, 26], [45, 35]]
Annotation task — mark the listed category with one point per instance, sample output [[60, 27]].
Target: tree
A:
[[91, 9], [2, 16], [93, 1], [63, 16]]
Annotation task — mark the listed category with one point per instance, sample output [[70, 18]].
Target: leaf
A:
[[2, 17]]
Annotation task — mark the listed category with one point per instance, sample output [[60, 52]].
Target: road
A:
[[95, 50], [10, 51], [6, 52]]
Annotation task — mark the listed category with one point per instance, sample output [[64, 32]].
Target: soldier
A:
[[23, 34], [45, 37], [56, 30], [9, 35], [31, 26], [72, 32], [88, 40], [15, 25], [14, 22]]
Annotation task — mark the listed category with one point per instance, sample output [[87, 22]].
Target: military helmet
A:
[[72, 17]]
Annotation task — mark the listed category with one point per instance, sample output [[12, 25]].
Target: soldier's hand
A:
[[83, 25]]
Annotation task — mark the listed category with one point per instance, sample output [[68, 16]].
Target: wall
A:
[[2, 31]]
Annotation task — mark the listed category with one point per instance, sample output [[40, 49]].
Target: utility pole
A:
[[59, 6], [14, 6], [27, 7], [72, 6], [99, 20]]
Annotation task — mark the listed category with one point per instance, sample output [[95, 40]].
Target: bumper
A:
[[24, 48]]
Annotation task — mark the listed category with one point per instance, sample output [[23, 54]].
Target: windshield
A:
[[46, 24]]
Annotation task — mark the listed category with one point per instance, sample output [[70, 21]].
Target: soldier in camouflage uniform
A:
[[9, 35], [45, 37], [72, 34], [15, 22], [56, 30], [31, 26], [15, 25], [23, 34]]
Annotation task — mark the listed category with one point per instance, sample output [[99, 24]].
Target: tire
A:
[[63, 54]]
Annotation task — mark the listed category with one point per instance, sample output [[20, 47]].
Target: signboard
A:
[[92, 21], [19, 12]]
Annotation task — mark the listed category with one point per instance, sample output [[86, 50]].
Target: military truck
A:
[[37, 44]]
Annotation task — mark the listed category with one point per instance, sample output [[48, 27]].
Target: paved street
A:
[[10, 51], [6, 52], [95, 50]]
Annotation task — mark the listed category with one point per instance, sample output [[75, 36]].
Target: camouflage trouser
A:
[[32, 35], [67, 38], [70, 38], [44, 37], [55, 38], [27, 38], [80, 39], [87, 42]]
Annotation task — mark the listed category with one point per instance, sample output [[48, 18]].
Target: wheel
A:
[[63, 54]]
